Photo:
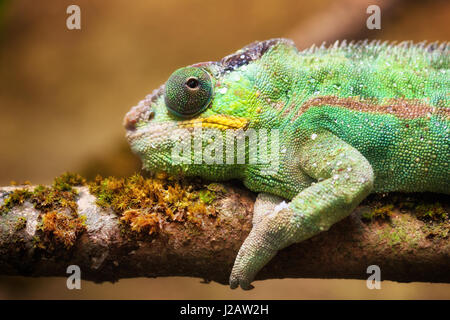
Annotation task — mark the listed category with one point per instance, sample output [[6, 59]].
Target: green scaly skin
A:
[[353, 119]]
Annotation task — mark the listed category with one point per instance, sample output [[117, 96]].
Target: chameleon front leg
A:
[[344, 178]]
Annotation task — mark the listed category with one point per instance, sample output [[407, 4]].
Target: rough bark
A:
[[403, 246]]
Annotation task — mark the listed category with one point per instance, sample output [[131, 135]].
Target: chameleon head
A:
[[212, 95], [168, 115]]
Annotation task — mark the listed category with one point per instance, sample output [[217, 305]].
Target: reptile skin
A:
[[342, 122]]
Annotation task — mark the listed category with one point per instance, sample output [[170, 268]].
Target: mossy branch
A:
[[116, 228]]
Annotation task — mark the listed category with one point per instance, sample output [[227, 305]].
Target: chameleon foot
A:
[[262, 243]]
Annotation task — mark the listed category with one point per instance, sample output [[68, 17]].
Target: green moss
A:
[[427, 207], [60, 223], [381, 213], [60, 229], [21, 223], [400, 234], [67, 180], [145, 204], [50, 198], [37, 243], [431, 212], [207, 196], [396, 237], [60, 195], [15, 198], [435, 230]]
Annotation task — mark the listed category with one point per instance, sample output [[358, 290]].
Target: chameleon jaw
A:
[[153, 134]]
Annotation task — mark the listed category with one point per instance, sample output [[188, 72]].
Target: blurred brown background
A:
[[63, 95]]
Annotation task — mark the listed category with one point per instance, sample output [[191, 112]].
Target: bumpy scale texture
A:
[[352, 119]]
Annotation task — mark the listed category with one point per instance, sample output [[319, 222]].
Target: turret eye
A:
[[188, 92]]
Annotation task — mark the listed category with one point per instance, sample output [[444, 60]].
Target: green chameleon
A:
[[352, 119]]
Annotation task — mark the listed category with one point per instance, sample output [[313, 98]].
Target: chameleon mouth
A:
[[154, 133], [217, 122]]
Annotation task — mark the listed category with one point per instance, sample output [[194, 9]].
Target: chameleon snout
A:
[[141, 112]]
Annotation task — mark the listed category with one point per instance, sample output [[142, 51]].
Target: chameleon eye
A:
[[188, 92]]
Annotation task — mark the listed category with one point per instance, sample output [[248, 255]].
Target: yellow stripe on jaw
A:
[[216, 121]]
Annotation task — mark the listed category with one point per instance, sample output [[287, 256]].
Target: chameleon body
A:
[[352, 119]]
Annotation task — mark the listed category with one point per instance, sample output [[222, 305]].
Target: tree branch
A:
[[393, 237]]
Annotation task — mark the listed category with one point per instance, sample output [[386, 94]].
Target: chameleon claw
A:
[[246, 286], [236, 282]]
